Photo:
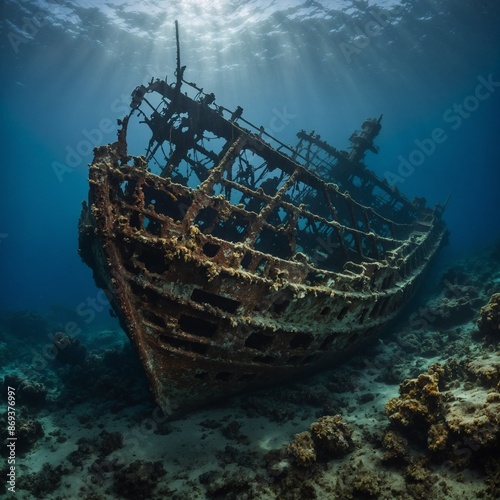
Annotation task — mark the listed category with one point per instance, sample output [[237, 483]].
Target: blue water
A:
[[431, 67]]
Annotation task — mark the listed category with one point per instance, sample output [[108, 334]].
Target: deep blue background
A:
[[79, 66]]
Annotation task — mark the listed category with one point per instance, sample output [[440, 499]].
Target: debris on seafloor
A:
[[234, 261]]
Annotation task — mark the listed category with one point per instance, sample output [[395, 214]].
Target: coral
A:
[[332, 437], [42, 483], [28, 393], [366, 485], [476, 418], [489, 320], [138, 480], [366, 398], [210, 424], [107, 442], [232, 455], [454, 403], [302, 449], [437, 436], [229, 487], [25, 324], [430, 346], [29, 431], [232, 431], [117, 381], [420, 407], [419, 478], [277, 463], [396, 447], [341, 383], [102, 446], [420, 402], [474, 414], [409, 341], [274, 408], [485, 370], [69, 350], [452, 307], [329, 437]]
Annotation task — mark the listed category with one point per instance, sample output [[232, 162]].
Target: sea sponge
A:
[[489, 320]]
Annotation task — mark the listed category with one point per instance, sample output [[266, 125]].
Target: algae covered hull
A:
[[234, 261]]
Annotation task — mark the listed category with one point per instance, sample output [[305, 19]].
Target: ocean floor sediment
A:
[[416, 415]]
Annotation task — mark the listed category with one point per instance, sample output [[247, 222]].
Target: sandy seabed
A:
[[417, 415]]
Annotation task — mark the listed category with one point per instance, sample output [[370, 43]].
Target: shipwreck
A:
[[234, 261]]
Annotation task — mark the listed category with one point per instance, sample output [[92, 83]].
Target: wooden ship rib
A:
[[242, 262]]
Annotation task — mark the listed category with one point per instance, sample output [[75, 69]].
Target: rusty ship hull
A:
[[241, 263]]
